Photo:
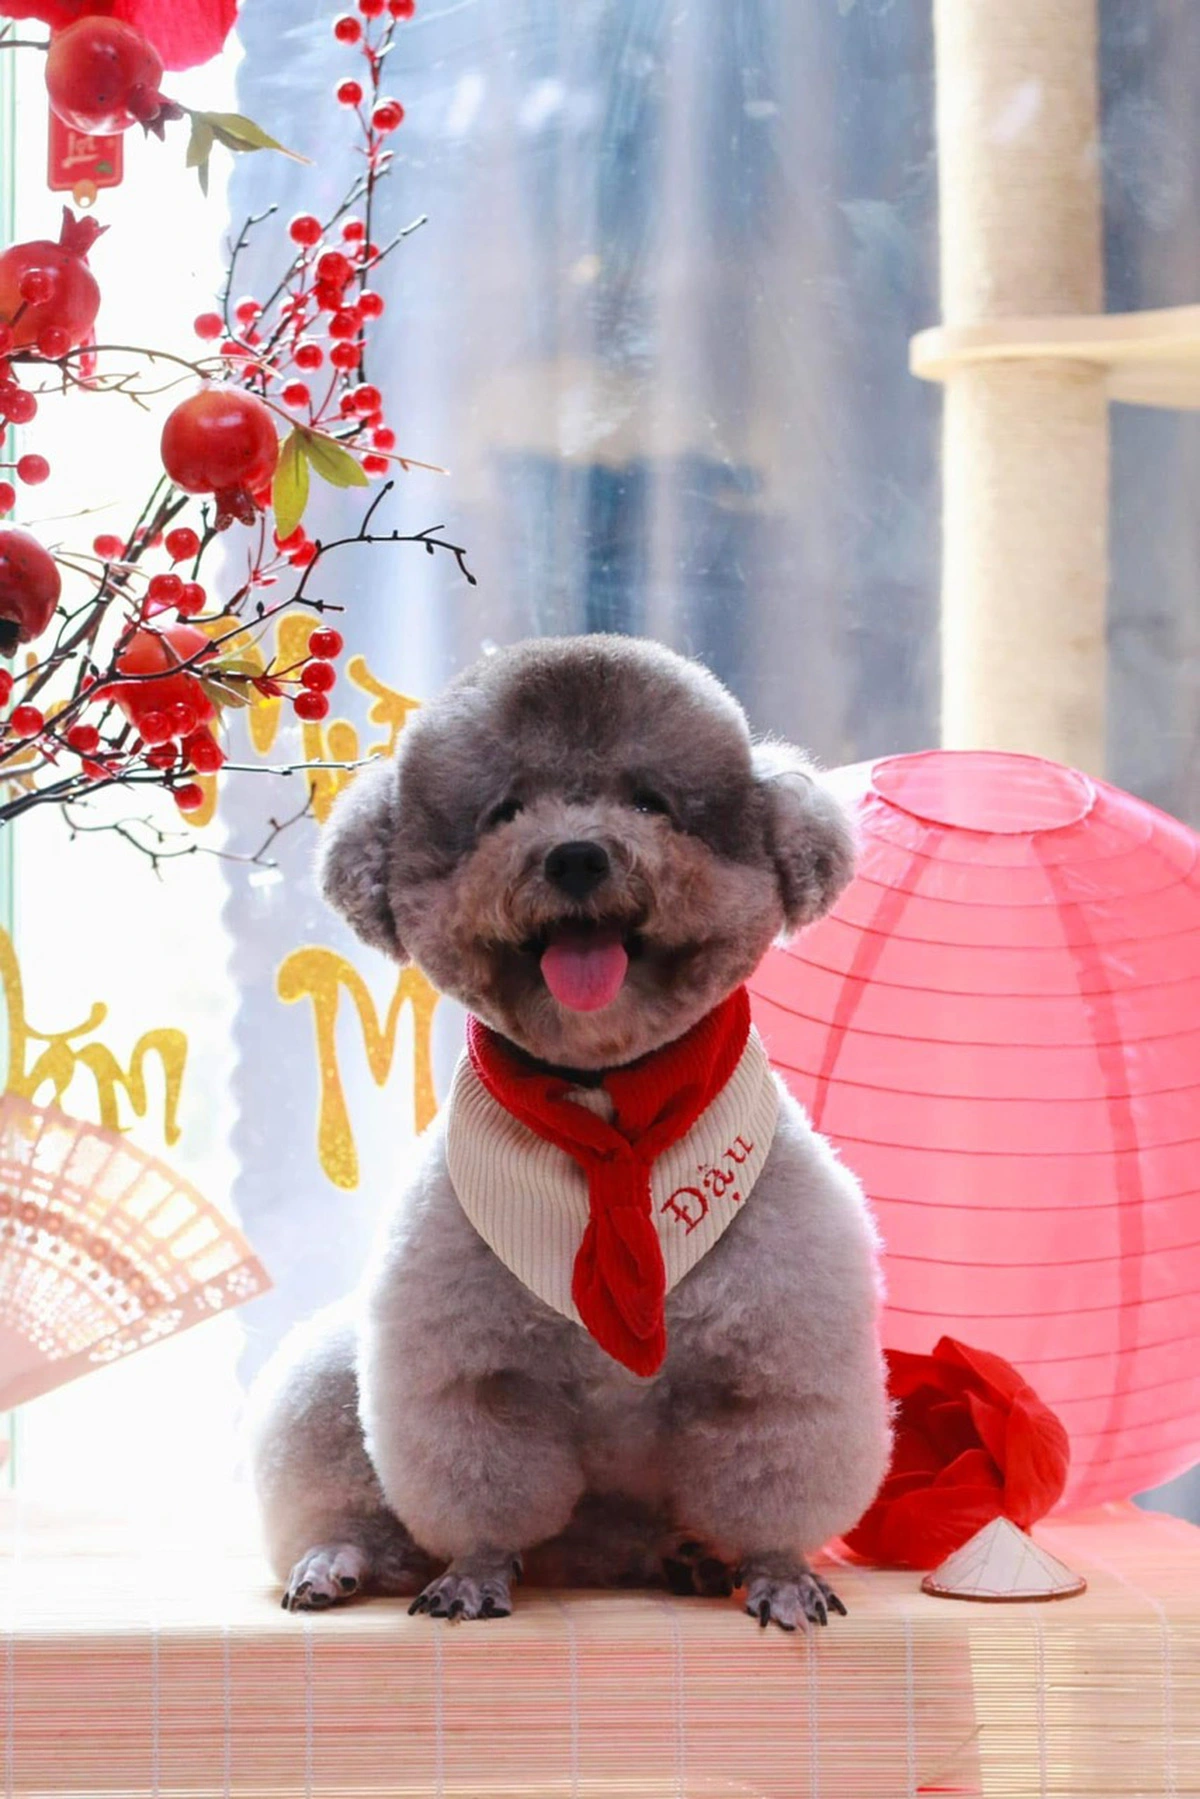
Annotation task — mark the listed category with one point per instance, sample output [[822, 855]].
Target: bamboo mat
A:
[[166, 1667]]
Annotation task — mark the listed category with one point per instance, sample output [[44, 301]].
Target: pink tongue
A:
[[585, 973]]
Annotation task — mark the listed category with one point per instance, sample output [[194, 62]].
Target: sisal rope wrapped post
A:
[[1025, 445]]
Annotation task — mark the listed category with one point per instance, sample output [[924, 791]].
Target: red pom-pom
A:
[[973, 1443]]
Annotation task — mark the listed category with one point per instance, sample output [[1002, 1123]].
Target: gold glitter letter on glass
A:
[[320, 974]]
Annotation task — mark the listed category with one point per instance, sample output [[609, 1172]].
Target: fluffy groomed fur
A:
[[444, 1425]]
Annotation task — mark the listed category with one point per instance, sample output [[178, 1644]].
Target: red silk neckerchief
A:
[[619, 1283]]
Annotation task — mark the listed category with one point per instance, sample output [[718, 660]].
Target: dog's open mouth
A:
[[584, 964]]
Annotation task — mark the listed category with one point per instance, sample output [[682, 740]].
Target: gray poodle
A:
[[620, 1326]]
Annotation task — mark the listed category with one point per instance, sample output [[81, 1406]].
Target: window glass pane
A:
[[656, 326]]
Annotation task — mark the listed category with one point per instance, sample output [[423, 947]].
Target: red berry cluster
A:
[[379, 114], [318, 676]]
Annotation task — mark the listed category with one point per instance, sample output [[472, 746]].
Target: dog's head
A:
[[579, 841]]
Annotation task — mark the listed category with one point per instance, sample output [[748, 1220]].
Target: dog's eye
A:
[[646, 800], [502, 814]]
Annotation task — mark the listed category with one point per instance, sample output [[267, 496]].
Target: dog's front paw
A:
[[325, 1576], [692, 1569], [786, 1596], [473, 1586]]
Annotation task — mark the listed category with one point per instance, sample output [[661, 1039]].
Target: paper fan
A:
[[1002, 1563], [103, 1250]]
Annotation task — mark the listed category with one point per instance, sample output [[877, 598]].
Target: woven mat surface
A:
[[142, 1661]]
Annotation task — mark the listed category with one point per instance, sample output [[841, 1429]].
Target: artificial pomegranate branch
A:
[[129, 679]]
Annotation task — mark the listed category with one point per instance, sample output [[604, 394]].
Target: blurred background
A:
[[656, 327]]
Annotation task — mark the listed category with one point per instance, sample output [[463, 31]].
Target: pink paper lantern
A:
[[999, 1027]]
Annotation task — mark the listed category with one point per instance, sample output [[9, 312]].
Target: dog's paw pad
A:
[[325, 1576]]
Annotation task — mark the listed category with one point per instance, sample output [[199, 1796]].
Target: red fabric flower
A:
[[184, 32], [973, 1443]]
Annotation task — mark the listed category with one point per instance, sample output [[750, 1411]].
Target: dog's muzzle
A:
[[577, 869]]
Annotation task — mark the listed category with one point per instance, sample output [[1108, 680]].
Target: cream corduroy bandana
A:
[[528, 1199]]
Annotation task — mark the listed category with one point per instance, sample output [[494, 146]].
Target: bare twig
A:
[[429, 537], [157, 852], [243, 238], [202, 370]]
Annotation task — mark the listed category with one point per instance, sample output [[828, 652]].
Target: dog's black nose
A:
[[577, 869]]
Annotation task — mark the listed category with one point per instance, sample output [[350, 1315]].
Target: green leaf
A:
[[332, 461], [289, 494], [200, 149], [239, 133], [220, 695], [238, 665], [201, 141]]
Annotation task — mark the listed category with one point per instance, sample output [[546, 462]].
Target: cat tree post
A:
[[1025, 443]]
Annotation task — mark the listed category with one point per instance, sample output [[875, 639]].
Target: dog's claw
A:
[[783, 1595], [325, 1576], [474, 1587]]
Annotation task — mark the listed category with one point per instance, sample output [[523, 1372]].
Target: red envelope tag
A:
[[82, 165]]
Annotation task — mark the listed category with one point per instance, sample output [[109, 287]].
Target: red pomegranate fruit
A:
[[174, 706], [30, 584], [222, 441], [61, 294], [102, 76]]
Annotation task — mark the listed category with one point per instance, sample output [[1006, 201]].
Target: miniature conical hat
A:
[[1001, 1562]]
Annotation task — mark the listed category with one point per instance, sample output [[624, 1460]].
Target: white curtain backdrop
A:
[[656, 327]]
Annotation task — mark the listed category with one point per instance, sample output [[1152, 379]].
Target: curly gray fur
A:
[[444, 1422]]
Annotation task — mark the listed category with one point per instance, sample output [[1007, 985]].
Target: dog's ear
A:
[[354, 854], [809, 836]]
